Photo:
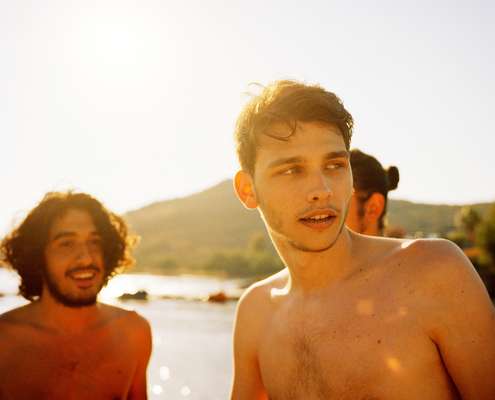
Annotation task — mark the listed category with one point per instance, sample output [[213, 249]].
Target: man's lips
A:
[[85, 274], [319, 219]]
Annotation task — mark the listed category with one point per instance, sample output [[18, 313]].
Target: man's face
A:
[[74, 266], [303, 185]]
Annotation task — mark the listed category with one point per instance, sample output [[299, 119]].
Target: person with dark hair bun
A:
[[64, 344], [368, 206]]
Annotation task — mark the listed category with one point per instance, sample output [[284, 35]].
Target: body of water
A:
[[192, 340]]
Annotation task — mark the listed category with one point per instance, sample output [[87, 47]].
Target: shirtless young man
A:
[[357, 317], [368, 205], [64, 344]]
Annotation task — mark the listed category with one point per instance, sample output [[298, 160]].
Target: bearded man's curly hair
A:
[[23, 249]]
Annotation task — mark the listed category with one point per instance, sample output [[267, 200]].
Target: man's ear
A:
[[374, 207], [244, 188]]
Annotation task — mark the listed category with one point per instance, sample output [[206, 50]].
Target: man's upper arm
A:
[[465, 328], [247, 383], [142, 339]]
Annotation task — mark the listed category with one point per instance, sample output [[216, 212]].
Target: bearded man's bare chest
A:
[[98, 367], [361, 348]]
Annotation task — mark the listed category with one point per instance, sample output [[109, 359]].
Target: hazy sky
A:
[[135, 101]]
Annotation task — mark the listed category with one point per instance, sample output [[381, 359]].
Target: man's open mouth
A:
[[318, 219], [83, 274]]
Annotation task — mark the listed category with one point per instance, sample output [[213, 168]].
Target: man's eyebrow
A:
[[295, 160], [63, 234], [337, 154], [67, 234], [284, 161]]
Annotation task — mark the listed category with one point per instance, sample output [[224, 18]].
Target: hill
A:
[[183, 235], [426, 218]]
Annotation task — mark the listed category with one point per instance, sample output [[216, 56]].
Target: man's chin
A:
[[312, 248], [75, 302], [71, 299]]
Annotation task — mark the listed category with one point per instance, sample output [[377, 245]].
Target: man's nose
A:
[[84, 255], [321, 188]]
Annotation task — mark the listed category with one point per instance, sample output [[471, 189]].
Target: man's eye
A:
[[66, 244], [290, 171], [95, 242], [335, 166]]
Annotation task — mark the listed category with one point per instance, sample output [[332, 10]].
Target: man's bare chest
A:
[[356, 349], [67, 368]]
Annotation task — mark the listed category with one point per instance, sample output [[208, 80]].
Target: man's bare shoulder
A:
[[254, 309], [18, 316], [429, 258], [443, 278], [418, 257], [129, 320], [262, 291], [29, 315], [255, 305], [16, 325]]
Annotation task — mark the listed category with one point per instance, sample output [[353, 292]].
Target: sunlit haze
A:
[[135, 101]]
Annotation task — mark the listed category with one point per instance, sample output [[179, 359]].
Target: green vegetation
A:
[[211, 233], [485, 239], [427, 218], [476, 236]]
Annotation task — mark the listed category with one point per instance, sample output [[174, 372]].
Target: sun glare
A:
[[116, 53], [394, 364]]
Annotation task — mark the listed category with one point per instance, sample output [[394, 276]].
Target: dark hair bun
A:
[[393, 177]]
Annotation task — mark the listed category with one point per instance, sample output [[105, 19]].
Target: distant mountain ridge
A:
[[180, 235]]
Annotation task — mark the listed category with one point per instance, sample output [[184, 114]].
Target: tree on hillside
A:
[[258, 243], [486, 235], [467, 219], [485, 240]]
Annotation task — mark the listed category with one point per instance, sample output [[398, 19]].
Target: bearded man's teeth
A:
[[83, 275]]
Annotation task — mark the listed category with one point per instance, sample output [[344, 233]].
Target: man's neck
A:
[[310, 272], [68, 320]]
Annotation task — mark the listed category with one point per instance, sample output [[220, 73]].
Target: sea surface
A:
[[192, 347]]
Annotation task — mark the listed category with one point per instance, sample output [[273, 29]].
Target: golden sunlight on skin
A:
[[394, 364], [276, 292], [365, 307], [406, 244], [401, 312]]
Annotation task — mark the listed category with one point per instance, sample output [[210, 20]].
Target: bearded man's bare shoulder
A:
[[134, 329], [17, 317], [128, 320], [14, 324]]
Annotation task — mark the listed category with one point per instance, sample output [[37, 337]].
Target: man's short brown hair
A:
[[287, 102], [23, 249]]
